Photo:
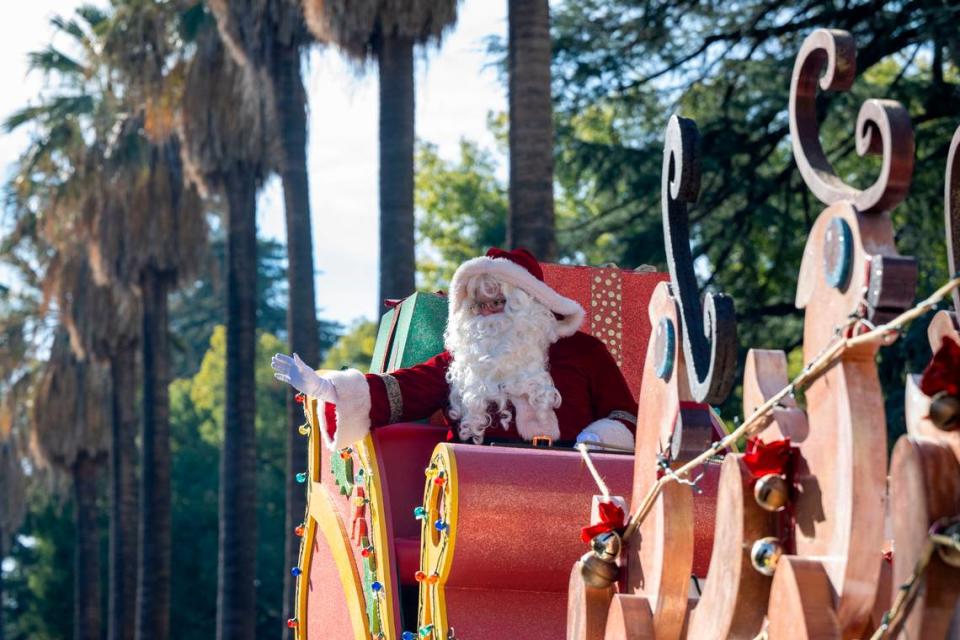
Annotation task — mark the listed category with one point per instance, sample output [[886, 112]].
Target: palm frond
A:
[[22, 116], [355, 26], [93, 15], [52, 60], [57, 108], [69, 26]]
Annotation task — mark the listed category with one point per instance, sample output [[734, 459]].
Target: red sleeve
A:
[[610, 396], [414, 393]]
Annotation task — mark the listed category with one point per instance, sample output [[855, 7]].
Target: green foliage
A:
[[38, 574], [196, 417], [41, 576], [195, 500], [354, 349], [461, 207]]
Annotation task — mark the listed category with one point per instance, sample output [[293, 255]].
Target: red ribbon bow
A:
[[611, 519], [763, 458], [943, 372]]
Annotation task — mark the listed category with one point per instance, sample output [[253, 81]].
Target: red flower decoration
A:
[[771, 457], [611, 519], [943, 372], [299, 398]]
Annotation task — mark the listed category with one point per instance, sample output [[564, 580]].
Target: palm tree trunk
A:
[[301, 312], [531, 220], [123, 496], [3, 554], [153, 586], [236, 596], [397, 262], [87, 614]]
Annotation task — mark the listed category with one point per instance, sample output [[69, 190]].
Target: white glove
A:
[[606, 434], [588, 438], [298, 375]]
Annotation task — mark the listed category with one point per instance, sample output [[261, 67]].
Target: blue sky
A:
[[456, 89]]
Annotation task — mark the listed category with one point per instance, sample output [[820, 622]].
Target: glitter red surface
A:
[[327, 614], [518, 530], [705, 517]]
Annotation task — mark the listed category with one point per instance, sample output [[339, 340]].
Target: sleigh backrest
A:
[[616, 302]]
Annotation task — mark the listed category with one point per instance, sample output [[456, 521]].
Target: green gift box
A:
[[410, 333]]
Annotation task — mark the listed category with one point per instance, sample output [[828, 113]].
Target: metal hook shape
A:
[[710, 334], [951, 211], [883, 126]]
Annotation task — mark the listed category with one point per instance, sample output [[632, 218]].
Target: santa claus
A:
[[515, 368]]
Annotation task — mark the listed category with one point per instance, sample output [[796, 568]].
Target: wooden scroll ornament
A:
[[850, 273], [883, 126], [685, 364], [709, 335], [925, 468]]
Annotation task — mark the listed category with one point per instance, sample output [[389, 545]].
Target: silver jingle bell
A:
[[606, 546], [945, 411], [950, 554], [771, 492], [598, 573], [765, 554]]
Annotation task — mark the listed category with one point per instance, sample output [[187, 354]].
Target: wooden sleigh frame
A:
[[493, 563], [830, 579]]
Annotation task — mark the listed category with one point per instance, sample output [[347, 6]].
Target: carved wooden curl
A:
[[710, 335], [883, 126], [951, 212]]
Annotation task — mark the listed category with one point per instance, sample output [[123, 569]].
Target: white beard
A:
[[502, 358]]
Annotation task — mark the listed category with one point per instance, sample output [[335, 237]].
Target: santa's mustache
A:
[[488, 326]]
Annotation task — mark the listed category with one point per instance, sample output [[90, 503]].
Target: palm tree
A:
[[224, 130], [103, 324], [145, 232], [149, 233], [386, 30], [531, 220], [70, 434], [60, 171], [267, 37]]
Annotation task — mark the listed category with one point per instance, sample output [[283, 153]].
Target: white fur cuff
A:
[[353, 409], [610, 432]]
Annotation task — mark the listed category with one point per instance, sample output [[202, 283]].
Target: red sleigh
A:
[[491, 553]]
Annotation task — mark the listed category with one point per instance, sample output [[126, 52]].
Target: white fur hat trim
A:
[[511, 273]]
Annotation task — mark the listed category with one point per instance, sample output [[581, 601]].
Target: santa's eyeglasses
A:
[[492, 305]]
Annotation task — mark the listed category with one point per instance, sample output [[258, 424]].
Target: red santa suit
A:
[[594, 397]]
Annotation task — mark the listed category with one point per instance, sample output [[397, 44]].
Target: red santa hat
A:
[[520, 269]]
